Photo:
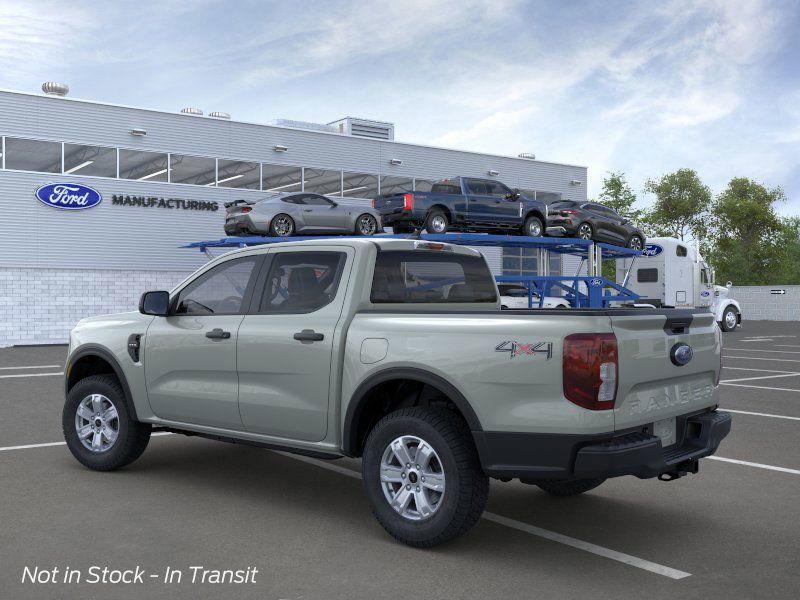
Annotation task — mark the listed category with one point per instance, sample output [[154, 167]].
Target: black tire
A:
[[436, 216], [359, 228], [466, 485], [727, 318], [636, 242], [533, 227], [583, 229], [278, 219], [132, 437], [569, 488]]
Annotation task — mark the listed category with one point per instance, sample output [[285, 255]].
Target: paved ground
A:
[[734, 528]]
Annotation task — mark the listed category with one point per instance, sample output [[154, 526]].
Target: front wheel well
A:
[[448, 213], [86, 366], [370, 405], [535, 213]]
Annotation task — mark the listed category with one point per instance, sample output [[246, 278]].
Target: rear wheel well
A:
[[386, 397], [444, 209]]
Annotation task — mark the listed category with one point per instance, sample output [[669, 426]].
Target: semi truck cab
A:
[[671, 272]]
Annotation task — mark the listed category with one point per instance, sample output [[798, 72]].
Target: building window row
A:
[[22, 154]]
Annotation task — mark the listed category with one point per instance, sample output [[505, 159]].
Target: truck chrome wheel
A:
[[412, 478], [439, 224], [97, 423], [367, 225]]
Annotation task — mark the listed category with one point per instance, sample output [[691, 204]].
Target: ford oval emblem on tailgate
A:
[[68, 196], [681, 354]]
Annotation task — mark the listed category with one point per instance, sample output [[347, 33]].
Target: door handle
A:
[[218, 334], [308, 335]]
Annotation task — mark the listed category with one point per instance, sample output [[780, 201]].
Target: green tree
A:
[[750, 243], [681, 205], [618, 195]]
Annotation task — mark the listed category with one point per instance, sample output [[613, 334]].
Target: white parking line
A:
[[31, 375], [752, 369], [627, 559], [49, 444], [31, 367], [755, 414], [759, 465], [759, 350], [760, 377], [786, 346], [792, 360], [760, 387]]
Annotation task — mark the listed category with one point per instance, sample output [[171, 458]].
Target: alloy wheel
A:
[[585, 231], [367, 225], [282, 226], [97, 423], [635, 243], [412, 478]]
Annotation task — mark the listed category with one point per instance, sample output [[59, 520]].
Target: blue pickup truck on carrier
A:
[[464, 204]]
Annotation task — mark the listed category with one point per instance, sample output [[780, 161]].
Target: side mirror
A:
[[154, 303], [334, 204]]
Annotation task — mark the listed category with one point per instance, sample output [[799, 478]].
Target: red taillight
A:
[[246, 209], [590, 370], [408, 201], [569, 212]]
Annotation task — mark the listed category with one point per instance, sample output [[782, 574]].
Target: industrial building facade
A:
[[162, 179]]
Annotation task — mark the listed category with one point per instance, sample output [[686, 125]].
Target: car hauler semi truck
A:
[[672, 273]]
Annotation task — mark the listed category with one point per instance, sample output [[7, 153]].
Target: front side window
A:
[[302, 282], [681, 251], [431, 277], [315, 200], [495, 188], [218, 291], [33, 155]]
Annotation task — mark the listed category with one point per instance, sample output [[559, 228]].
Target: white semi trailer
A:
[[672, 273]]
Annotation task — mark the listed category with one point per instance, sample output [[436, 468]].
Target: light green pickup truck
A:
[[396, 351]]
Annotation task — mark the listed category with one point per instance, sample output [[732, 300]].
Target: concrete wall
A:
[[759, 304]]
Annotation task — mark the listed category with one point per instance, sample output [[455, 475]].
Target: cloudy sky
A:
[[641, 87]]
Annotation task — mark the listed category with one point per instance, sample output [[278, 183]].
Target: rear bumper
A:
[[243, 225], [534, 456]]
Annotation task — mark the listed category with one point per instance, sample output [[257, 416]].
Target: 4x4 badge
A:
[[515, 349]]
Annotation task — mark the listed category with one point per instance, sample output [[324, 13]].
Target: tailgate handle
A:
[[676, 325]]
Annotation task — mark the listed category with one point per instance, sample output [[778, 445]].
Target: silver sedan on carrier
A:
[[286, 214]]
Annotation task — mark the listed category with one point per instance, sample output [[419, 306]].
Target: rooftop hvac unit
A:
[[303, 125], [376, 130], [192, 111], [527, 155], [219, 115], [51, 88]]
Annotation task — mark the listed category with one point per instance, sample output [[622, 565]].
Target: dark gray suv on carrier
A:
[[593, 221]]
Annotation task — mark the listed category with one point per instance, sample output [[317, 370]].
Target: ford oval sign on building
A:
[[68, 196], [652, 250]]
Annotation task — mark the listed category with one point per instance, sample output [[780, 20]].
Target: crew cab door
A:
[[285, 344], [190, 356], [487, 203]]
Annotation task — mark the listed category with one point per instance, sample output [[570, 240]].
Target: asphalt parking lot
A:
[[731, 531]]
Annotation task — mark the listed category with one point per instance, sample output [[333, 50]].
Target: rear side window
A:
[[647, 275], [301, 282], [427, 277], [681, 251]]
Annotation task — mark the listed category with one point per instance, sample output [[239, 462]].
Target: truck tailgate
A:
[[652, 388]]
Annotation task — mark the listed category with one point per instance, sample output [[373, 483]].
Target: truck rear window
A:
[[430, 277]]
